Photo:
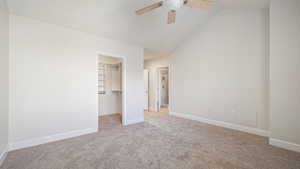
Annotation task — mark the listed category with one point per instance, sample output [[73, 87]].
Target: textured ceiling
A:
[[246, 3], [116, 19], [3, 4]]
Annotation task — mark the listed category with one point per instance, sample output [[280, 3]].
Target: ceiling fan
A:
[[174, 5]]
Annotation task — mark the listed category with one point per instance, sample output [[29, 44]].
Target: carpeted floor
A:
[[162, 142]]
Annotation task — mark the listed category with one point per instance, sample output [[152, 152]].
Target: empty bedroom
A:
[[149, 84]]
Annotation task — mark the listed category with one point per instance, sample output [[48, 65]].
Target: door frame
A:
[[148, 72], [124, 67]]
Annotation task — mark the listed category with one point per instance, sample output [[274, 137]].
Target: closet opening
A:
[[110, 93]]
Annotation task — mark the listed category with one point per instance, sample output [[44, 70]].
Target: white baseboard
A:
[[47, 139], [130, 122], [284, 144], [251, 130], [100, 115], [3, 155]]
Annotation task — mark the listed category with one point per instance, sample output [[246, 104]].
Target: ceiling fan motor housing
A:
[[175, 4]]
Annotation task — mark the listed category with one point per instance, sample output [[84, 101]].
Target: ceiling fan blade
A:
[[198, 3], [149, 8], [172, 17]]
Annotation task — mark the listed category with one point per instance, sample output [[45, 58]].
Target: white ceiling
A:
[[2, 4], [246, 3], [116, 19]]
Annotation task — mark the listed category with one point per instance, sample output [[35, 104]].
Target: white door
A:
[[146, 89]]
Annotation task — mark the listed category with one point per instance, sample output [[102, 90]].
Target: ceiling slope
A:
[[116, 19]]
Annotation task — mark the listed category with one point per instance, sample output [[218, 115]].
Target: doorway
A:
[[110, 95], [146, 90], [163, 89]]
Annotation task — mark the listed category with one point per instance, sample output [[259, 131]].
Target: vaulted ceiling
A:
[[2, 4], [116, 19]]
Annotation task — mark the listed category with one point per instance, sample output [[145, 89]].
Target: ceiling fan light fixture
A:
[[175, 4]]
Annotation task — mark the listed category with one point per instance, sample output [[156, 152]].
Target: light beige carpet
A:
[[162, 142]]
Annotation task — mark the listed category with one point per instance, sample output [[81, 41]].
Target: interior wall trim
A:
[[246, 129], [284, 144], [133, 121], [3, 155], [48, 139]]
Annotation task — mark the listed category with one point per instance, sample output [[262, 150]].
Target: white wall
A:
[[54, 80], [152, 66], [285, 71], [220, 72], [4, 79]]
